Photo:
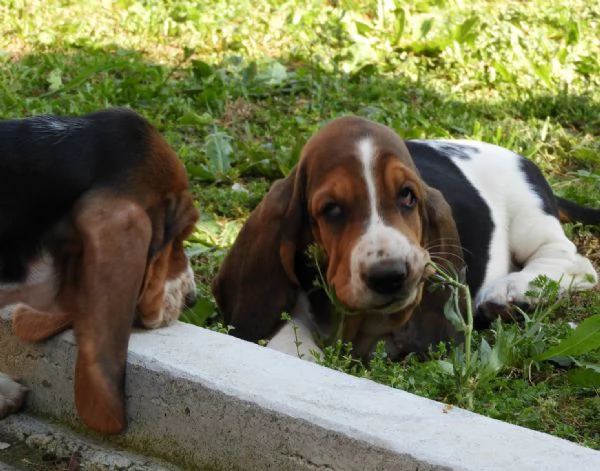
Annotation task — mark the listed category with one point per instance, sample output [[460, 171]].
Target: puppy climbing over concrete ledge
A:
[[94, 211]]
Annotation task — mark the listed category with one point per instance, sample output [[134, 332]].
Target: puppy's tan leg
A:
[[116, 236], [34, 326]]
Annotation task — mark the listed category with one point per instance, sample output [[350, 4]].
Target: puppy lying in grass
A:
[[382, 209]]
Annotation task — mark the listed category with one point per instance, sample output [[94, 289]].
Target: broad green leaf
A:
[[588, 64], [486, 350], [450, 313], [230, 232], [218, 149], [201, 173], [426, 27], [273, 73], [563, 361], [465, 31], [55, 80], [201, 69], [197, 249], [573, 32], [212, 234], [590, 366], [250, 72], [446, 367], [585, 377], [199, 314], [207, 233], [362, 27], [399, 26], [585, 338], [190, 118], [543, 72], [504, 72]]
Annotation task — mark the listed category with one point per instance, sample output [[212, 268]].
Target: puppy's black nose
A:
[[387, 278], [190, 299]]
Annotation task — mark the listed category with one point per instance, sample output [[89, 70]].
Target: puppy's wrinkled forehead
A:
[[350, 138]]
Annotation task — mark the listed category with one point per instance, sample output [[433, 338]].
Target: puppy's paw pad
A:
[[488, 312], [12, 396]]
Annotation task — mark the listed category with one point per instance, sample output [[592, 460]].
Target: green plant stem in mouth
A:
[[467, 327], [441, 275]]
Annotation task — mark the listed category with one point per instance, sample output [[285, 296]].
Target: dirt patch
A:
[[23, 457]]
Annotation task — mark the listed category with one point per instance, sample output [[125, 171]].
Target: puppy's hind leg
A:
[[34, 326], [540, 247]]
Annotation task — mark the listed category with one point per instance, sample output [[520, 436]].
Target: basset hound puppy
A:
[[94, 211], [381, 209]]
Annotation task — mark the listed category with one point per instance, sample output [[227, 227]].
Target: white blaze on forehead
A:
[[366, 154], [379, 242]]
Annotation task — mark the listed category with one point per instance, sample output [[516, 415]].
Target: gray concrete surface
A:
[[204, 400], [31, 443]]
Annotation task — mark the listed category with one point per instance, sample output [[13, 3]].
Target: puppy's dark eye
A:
[[333, 212], [406, 198]]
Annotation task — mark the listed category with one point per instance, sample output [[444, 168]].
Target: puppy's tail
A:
[[569, 211]]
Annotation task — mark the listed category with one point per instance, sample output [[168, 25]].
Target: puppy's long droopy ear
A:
[[152, 294], [257, 280], [180, 216], [428, 325], [440, 235], [173, 219], [116, 236]]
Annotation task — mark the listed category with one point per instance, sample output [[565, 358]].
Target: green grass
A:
[[238, 87]]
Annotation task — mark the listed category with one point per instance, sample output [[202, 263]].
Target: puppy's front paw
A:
[[179, 294], [12, 396], [489, 311], [510, 289], [498, 299]]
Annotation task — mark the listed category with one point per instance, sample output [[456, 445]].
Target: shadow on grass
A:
[[266, 110]]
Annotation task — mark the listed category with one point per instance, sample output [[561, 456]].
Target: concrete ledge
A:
[[205, 400]]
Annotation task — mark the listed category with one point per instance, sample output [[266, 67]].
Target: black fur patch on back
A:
[[47, 163], [471, 213]]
